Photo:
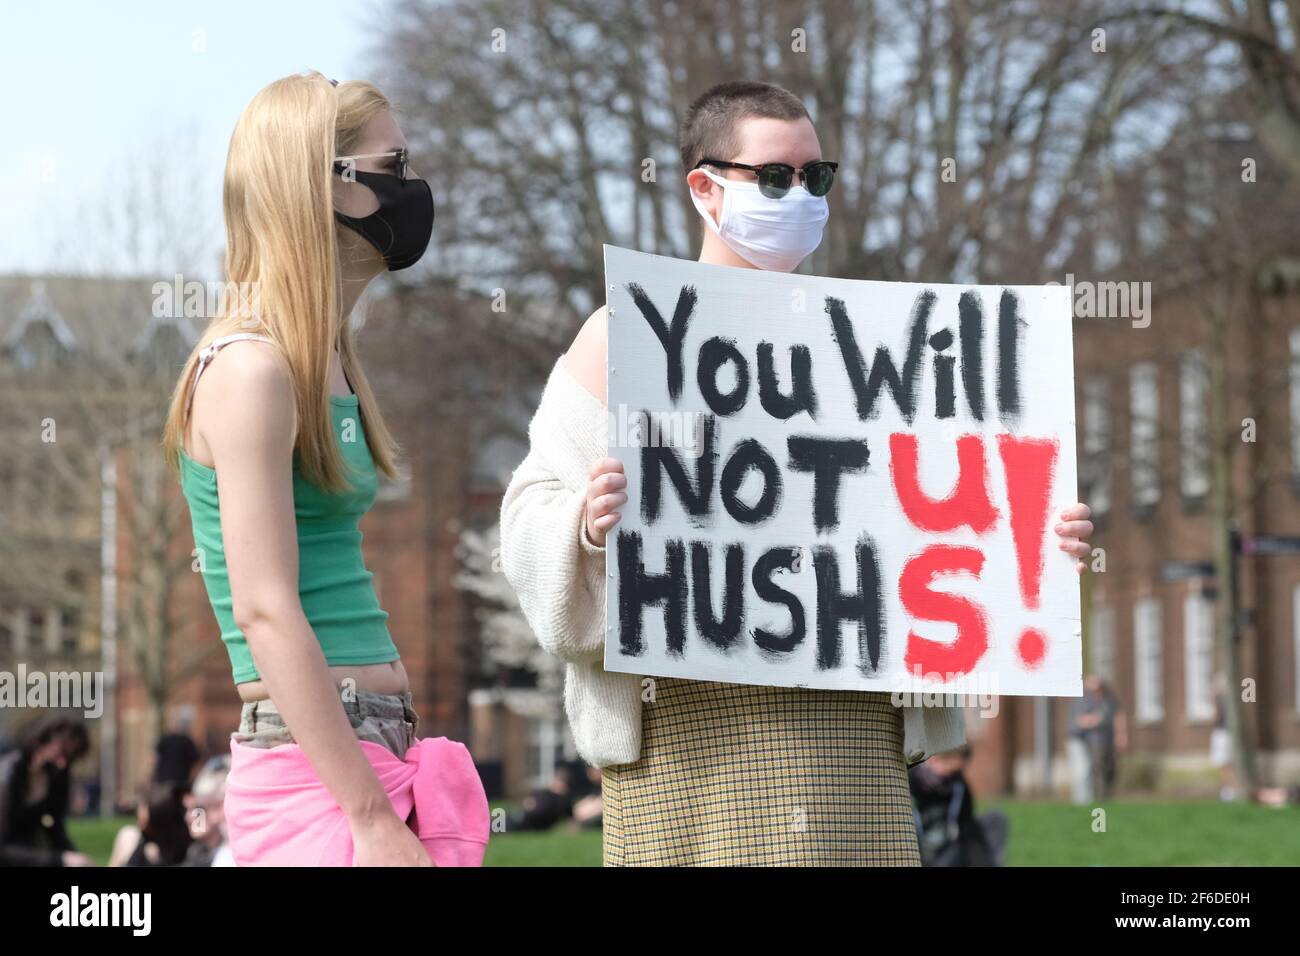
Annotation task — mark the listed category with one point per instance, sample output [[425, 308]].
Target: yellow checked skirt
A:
[[736, 775]]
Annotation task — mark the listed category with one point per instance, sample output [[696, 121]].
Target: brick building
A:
[[1144, 431]]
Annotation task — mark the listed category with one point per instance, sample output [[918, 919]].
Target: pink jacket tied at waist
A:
[[279, 813]]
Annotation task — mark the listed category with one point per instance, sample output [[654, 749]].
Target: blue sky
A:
[[91, 87]]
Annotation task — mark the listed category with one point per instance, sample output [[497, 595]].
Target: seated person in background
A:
[[946, 827], [543, 808], [1278, 796], [161, 836], [34, 793], [206, 815], [589, 809]]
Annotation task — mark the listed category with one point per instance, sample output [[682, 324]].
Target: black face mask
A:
[[400, 228]]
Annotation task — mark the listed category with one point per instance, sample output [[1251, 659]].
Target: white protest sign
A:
[[840, 484]]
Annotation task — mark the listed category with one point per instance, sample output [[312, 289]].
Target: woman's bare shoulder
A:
[[586, 358], [247, 389], [254, 365]]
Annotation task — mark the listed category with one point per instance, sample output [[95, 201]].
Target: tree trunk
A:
[[1227, 630]]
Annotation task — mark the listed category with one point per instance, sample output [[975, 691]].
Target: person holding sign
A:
[[701, 771]]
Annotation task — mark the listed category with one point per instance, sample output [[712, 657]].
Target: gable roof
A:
[[90, 316]]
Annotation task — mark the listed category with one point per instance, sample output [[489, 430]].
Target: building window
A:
[[1148, 660], [70, 632], [1144, 415], [1102, 640], [1096, 444], [545, 749], [40, 630], [1198, 656], [1193, 398], [1295, 402]]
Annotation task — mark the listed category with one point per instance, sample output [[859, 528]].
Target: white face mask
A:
[[773, 234]]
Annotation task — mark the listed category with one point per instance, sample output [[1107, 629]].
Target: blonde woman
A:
[[278, 440]]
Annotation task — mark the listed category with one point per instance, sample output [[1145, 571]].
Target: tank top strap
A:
[[210, 352]]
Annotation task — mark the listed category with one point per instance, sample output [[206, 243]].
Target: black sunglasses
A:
[[775, 179]]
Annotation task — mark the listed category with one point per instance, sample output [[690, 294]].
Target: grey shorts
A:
[[384, 719]]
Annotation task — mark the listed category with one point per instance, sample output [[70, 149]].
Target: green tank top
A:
[[337, 592]]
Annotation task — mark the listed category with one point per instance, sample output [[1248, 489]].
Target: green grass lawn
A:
[[95, 837], [1151, 833], [559, 847], [1137, 833]]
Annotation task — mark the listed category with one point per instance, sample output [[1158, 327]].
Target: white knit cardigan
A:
[[559, 576]]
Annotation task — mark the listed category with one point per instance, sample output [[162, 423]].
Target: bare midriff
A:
[[376, 678]]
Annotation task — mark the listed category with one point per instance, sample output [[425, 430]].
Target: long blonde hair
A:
[[280, 241]]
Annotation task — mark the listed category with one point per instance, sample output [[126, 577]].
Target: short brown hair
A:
[[709, 129]]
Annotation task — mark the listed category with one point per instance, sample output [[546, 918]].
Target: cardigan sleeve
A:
[[557, 573], [931, 730]]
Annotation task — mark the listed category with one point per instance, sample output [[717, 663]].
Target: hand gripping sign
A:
[[840, 484]]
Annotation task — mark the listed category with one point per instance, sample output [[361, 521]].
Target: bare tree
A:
[[1264, 34]]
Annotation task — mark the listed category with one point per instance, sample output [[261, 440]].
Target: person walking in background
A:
[[1077, 763], [1221, 752], [175, 755], [1098, 730], [35, 786]]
